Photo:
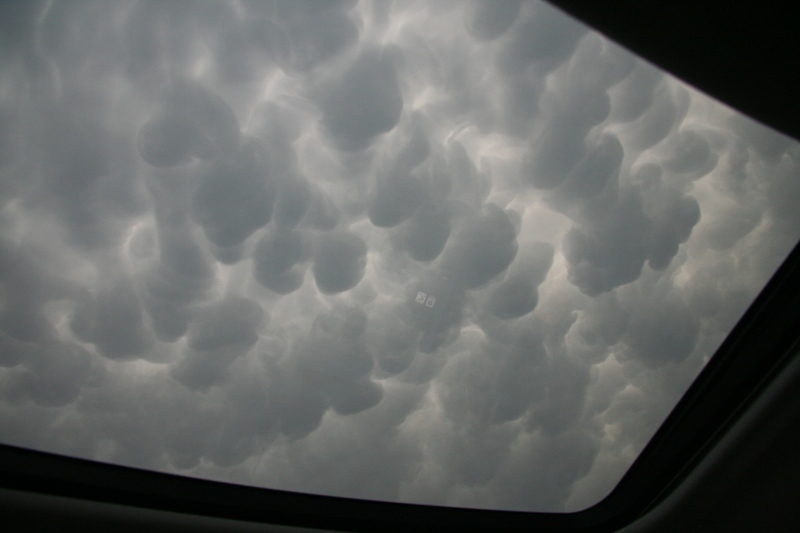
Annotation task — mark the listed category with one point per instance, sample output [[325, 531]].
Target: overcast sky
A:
[[454, 253]]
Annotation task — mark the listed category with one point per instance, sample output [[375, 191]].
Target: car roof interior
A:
[[726, 458]]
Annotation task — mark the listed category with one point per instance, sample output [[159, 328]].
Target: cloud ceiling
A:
[[440, 252]]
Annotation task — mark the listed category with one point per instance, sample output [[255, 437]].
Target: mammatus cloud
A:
[[339, 263], [192, 122], [448, 253], [220, 332], [278, 261], [363, 101]]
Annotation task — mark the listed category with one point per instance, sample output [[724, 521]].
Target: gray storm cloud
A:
[[340, 262], [398, 193], [487, 21], [517, 295], [192, 122], [301, 35], [113, 321], [364, 101], [484, 249], [426, 233], [277, 261], [444, 253], [218, 334], [336, 362], [234, 199]]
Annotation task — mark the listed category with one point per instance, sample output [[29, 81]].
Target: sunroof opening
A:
[[448, 253]]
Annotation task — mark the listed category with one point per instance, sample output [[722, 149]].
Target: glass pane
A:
[[461, 254]]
